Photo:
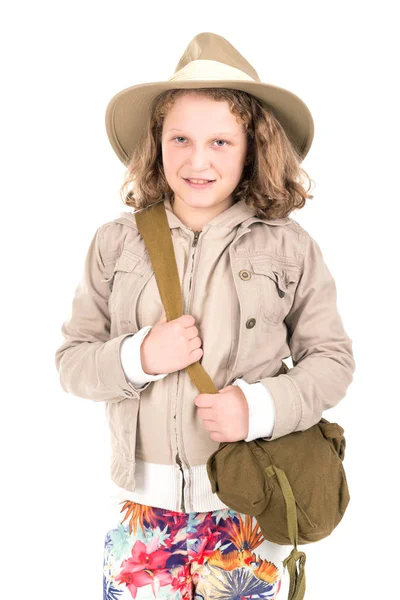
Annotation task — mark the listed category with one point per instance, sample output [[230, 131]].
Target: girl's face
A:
[[201, 139]]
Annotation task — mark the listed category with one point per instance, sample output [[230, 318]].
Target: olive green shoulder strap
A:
[[153, 226]]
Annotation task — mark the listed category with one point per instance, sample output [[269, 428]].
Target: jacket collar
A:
[[237, 214]]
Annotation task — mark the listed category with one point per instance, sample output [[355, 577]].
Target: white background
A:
[[61, 64]]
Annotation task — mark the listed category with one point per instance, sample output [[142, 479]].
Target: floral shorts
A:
[[158, 553]]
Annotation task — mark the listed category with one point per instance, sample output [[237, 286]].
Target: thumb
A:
[[226, 389]]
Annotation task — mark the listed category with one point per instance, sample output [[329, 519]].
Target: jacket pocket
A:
[[125, 263], [123, 276], [277, 284], [122, 419]]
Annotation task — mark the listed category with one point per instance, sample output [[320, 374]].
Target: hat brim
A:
[[128, 111]]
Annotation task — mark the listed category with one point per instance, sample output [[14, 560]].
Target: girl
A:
[[222, 151]]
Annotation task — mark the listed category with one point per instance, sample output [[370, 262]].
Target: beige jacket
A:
[[260, 292]]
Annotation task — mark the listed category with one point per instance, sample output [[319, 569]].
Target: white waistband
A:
[[160, 486]]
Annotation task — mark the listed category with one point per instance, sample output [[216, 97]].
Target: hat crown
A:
[[211, 46], [209, 61]]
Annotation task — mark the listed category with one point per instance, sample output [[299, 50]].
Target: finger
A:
[[204, 400], [206, 413]]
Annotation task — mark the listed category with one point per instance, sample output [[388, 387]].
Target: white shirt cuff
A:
[[131, 360], [261, 409]]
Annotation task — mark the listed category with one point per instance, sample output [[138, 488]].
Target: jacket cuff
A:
[[110, 371], [288, 404], [131, 359], [261, 409]]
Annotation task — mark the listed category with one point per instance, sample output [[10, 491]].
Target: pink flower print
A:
[[199, 553], [145, 566], [183, 583]]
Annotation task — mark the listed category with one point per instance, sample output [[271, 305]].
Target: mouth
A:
[[206, 184]]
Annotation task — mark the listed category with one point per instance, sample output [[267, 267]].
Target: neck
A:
[[195, 218]]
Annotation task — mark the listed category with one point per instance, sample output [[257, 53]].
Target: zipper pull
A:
[[196, 237]]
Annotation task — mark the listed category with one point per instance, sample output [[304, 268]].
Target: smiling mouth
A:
[[198, 181], [199, 186]]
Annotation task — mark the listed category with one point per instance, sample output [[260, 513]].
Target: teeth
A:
[[198, 180]]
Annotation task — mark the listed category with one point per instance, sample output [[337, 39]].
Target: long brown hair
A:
[[271, 180]]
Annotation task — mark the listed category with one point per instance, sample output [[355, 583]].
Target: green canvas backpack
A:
[[295, 485]]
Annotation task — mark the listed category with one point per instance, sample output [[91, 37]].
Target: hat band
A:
[[210, 70]]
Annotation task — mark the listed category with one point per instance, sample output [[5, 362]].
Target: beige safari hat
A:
[[208, 61]]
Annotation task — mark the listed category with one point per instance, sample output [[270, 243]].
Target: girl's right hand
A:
[[170, 346]]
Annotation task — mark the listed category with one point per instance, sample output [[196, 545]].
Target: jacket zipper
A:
[[178, 459]]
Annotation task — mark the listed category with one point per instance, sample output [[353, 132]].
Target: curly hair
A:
[[271, 178]]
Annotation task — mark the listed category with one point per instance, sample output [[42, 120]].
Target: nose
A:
[[199, 160]]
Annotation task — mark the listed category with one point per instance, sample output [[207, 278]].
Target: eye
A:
[[180, 137]]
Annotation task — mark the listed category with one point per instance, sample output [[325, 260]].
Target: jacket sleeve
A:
[[322, 355], [131, 360], [88, 361]]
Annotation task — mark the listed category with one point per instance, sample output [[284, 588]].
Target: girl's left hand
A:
[[225, 415]]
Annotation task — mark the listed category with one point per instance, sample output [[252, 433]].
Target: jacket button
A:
[[281, 293], [250, 323], [245, 275]]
